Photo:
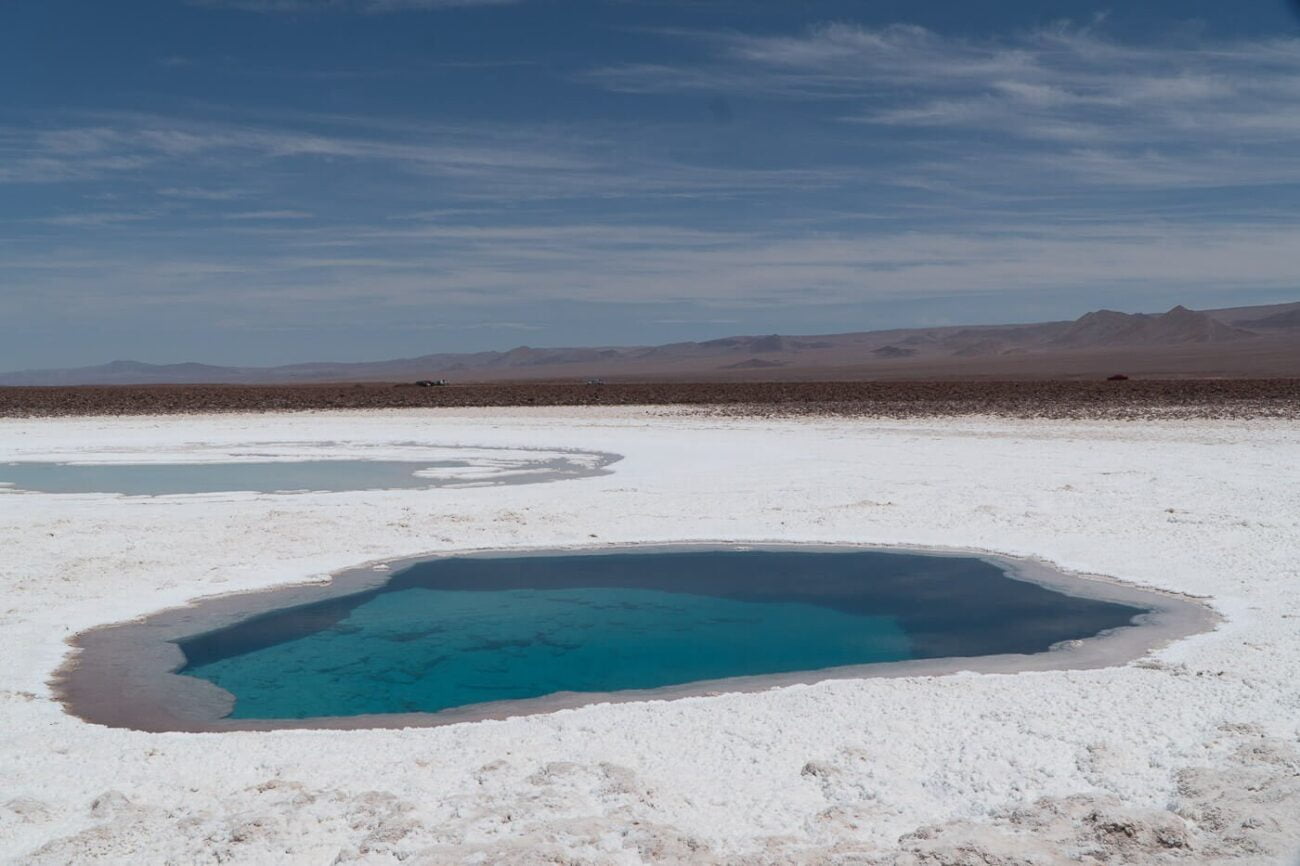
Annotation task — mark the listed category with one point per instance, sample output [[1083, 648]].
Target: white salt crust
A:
[[1191, 755]]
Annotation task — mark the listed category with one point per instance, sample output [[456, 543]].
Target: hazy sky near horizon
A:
[[270, 181]]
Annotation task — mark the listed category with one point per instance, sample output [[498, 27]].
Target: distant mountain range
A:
[[1241, 341]]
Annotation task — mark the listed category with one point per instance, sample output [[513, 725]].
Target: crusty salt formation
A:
[[1188, 756]]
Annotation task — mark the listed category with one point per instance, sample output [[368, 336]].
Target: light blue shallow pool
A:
[[163, 479]]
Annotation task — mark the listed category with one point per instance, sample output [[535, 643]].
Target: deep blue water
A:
[[452, 632]]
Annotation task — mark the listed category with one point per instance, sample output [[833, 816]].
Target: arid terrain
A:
[[1199, 398], [1243, 342]]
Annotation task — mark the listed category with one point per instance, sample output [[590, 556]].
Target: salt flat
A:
[[1192, 755]]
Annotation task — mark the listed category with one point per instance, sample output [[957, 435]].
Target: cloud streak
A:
[[364, 6], [421, 267], [483, 162], [1172, 109], [857, 169]]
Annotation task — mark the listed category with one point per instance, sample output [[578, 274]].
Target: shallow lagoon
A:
[[458, 631], [286, 476]]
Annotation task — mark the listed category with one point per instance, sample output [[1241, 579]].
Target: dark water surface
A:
[[455, 631]]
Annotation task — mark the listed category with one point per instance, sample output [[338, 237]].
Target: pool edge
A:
[[92, 677]]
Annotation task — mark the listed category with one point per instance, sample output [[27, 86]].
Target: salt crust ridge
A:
[[1190, 756]]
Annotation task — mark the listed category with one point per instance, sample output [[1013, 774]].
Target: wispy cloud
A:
[[269, 215], [1172, 109], [98, 218], [108, 143], [858, 166], [475, 162], [203, 193], [366, 6], [646, 263]]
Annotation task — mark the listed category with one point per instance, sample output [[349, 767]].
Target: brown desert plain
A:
[[1241, 361]]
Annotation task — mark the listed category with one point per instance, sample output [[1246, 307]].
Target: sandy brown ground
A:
[[1190, 398]]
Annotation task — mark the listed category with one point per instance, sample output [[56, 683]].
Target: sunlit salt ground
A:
[[451, 632], [163, 479], [1188, 756]]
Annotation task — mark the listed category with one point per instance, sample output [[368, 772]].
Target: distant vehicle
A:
[[595, 381], [432, 383], [1118, 377]]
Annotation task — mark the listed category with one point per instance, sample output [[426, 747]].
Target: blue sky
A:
[[269, 181]]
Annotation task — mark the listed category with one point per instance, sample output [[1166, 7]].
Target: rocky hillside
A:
[[1260, 341]]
